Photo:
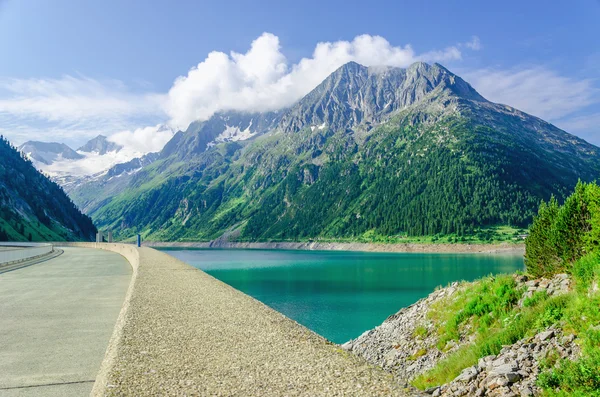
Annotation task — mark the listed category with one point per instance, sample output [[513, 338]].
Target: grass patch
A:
[[420, 332], [417, 354], [489, 307], [475, 309]]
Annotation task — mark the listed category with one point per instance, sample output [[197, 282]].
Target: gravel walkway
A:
[[188, 334]]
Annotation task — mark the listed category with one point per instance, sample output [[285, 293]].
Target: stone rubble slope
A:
[[401, 346], [515, 370]]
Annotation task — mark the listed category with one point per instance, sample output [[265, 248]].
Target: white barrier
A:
[[16, 252]]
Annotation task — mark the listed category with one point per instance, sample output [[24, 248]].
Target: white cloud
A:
[[74, 100], [474, 44], [73, 109], [535, 90], [143, 140], [586, 126], [262, 78]]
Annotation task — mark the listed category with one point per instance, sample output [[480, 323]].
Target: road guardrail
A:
[[17, 252]]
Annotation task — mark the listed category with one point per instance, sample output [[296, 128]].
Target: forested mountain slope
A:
[[34, 208], [370, 151]]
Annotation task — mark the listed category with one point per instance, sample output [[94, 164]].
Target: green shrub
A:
[[554, 310], [561, 235], [574, 378], [483, 304], [585, 270]]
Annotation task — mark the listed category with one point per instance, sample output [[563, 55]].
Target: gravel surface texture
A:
[[184, 333]]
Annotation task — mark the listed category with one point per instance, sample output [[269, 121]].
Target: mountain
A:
[[370, 152], [34, 208], [100, 145], [355, 95], [92, 193], [48, 152], [222, 127], [132, 166]]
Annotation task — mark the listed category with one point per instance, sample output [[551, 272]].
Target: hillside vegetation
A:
[[370, 155], [494, 312], [33, 208]]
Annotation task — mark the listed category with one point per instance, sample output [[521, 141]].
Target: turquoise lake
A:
[[341, 294]]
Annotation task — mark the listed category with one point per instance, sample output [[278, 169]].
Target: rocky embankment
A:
[[508, 248], [406, 345], [515, 370]]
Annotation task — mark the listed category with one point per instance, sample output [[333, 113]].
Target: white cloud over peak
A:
[[135, 143], [263, 79], [143, 140], [72, 109]]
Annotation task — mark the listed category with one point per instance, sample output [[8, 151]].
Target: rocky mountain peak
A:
[[100, 145], [356, 94]]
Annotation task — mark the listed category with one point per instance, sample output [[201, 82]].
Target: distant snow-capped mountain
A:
[[96, 158], [100, 145], [48, 152]]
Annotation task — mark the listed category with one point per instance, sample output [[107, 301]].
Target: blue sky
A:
[[73, 69]]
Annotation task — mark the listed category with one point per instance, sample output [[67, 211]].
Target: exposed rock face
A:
[[405, 345], [132, 165], [231, 126], [355, 94], [515, 370], [557, 285]]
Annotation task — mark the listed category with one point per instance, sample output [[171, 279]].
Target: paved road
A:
[[56, 319]]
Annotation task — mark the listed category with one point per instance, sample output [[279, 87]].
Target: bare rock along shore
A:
[[182, 332], [508, 248]]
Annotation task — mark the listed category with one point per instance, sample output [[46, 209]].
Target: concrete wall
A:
[[16, 252]]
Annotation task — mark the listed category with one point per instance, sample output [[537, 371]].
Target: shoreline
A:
[[501, 248]]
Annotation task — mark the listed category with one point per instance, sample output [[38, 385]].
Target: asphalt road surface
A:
[[56, 319]]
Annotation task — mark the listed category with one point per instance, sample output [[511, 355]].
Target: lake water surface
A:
[[341, 294]]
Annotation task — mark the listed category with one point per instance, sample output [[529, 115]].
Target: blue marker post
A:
[[139, 240]]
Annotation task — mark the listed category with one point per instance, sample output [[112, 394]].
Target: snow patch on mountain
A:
[[233, 134]]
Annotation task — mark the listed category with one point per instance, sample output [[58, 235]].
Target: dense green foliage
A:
[[33, 208], [566, 238], [560, 235], [402, 180]]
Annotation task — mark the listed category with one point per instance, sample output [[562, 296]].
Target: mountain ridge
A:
[[100, 145], [385, 151]]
